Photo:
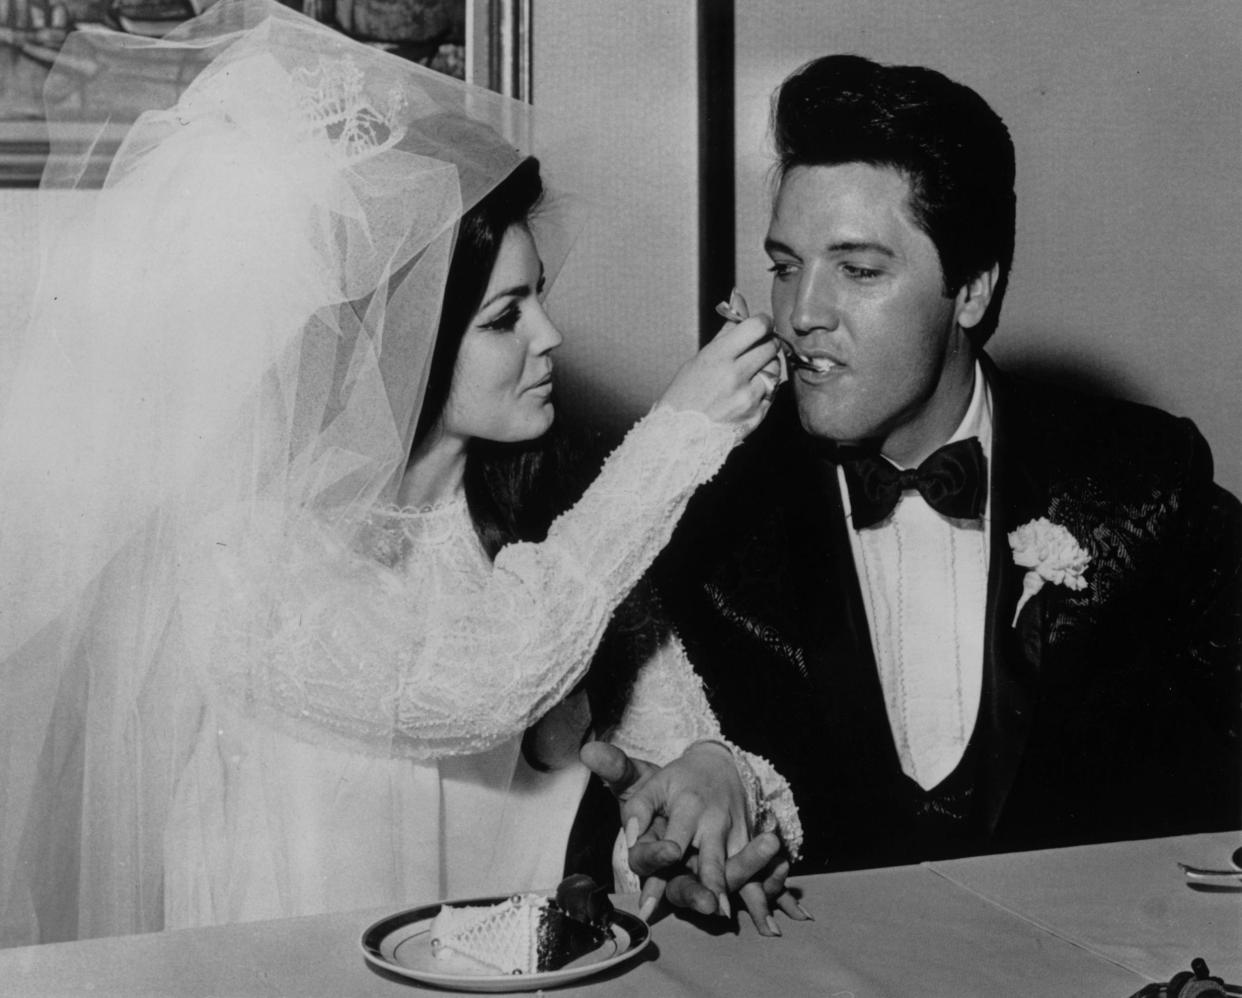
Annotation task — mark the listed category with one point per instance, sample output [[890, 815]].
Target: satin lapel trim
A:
[[1012, 654]]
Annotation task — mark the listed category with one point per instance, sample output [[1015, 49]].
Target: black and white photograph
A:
[[685, 498]]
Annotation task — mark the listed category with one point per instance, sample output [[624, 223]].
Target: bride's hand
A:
[[701, 796], [701, 803], [686, 826], [757, 874], [732, 378]]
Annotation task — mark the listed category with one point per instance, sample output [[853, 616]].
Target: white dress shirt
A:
[[924, 579]]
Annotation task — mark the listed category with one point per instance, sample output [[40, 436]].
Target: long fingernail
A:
[[725, 908], [771, 923], [631, 833], [735, 309], [647, 909], [805, 914]]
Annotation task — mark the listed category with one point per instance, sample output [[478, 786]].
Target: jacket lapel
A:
[[1012, 652]]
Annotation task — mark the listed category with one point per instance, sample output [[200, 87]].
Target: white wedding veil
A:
[[245, 234]]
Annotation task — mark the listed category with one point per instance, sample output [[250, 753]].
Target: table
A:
[[1096, 921]]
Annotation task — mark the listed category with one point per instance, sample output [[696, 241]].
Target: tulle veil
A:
[[245, 232]]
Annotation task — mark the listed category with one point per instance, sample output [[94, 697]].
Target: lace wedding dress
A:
[[365, 707], [236, 682]]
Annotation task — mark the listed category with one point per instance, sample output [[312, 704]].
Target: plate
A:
[[401, 944]]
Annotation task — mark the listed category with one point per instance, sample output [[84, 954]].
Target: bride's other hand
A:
[[701, 795], [732, 378], [701, 851], [757, 874], [693, 812], [699, 798]]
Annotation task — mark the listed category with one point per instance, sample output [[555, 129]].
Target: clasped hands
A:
[[689, 836]]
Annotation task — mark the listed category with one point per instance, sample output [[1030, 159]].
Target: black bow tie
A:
[[952, 480]]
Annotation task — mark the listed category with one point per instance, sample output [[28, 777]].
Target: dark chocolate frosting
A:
[[583, 900]]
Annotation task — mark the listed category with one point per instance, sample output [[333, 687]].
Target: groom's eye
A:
[[859, 273]]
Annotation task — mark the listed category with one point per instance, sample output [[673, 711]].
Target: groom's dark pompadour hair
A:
[[952, 148]]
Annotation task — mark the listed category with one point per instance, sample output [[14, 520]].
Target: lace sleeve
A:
[[668, 711], [347, 648]]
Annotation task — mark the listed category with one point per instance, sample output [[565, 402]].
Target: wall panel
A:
[[617, 83]]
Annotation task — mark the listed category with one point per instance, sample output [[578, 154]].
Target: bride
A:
[[278, 603]]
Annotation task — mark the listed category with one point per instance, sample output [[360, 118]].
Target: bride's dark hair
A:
[[515, 490]]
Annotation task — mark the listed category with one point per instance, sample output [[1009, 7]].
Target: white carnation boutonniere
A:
[[1051, 554]]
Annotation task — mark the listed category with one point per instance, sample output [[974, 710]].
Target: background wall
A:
[[1127, 117], [18, 266], [615, 88]]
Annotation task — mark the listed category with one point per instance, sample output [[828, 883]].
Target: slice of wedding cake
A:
[[526, 934]]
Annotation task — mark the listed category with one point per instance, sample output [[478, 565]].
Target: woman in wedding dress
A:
[[275, 624]]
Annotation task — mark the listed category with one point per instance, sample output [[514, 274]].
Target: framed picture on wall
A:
[[483, 41]]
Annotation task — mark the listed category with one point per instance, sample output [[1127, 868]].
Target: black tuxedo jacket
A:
[[1112, 712]]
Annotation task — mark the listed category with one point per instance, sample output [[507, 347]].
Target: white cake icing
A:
[[503, 937]]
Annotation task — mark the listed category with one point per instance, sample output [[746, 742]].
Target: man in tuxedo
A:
[[961, 613]]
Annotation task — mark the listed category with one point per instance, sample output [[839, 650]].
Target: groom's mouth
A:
[[813, 362]]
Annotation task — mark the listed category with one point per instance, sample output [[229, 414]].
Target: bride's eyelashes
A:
[[507, 321]]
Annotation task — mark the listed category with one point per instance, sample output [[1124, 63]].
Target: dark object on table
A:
[[1197, 982]]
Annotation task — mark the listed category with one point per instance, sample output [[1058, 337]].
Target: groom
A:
[[961, 613]]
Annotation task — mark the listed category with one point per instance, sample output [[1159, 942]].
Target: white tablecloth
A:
[[1127, 904], [1097, 921]]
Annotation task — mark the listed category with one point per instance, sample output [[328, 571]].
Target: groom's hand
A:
[[757, 874], [700, 803], [695, 805]]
